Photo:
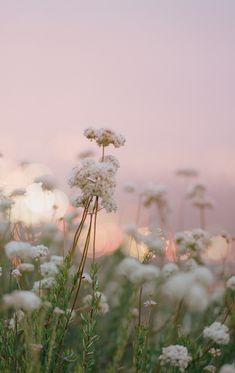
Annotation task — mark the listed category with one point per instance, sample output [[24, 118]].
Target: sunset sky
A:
[[160, 72]]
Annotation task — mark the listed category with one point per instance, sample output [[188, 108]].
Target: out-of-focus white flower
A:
[[39, 251], [136, 272], [210, 368], [227, 368], [197, 298], [86, 278], [43, 285], [217, 332], [0, 271], [16, 273], [26, 300], [176, 356], [49, 269], [169, 269], [47, 181], [129, 187], [103, 306], [203, 275], [215, 352], [230, 284], [150, 303], [17, 248], [197, 190], [58, 311], [192, 242], [105, 137]]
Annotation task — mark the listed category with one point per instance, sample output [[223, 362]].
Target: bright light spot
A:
[[108, 235], [218, 249]]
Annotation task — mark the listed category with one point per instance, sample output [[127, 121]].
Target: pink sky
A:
[[160, 72]]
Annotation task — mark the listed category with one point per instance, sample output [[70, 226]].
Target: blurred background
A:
[[160, 72]]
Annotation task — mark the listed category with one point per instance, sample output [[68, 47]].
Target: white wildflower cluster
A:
[[191, 287], [152, 240], [105, 137], [137, 273], [175, 355], [157, 194], [95, 179], [210, 368], [217, 332], [230, 284], [169, 269], [103, 305], [198, 195], [51, 268], [227, 368], [193, 242], [24, 250], [43, 285], [26, 300]]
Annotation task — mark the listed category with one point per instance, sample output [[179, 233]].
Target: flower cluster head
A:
[[187, 172], [193, 242], [191, 287], [137, 273], [198, 195], [217, 332], [176, 356], [24, 250], [26, 300], [105, 137], [95, 179], [100, 298]]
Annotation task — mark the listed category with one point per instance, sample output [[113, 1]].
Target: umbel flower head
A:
[[176, 356], [97, 178], [105, 137]]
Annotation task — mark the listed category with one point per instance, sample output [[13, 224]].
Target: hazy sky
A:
[[160, 72]]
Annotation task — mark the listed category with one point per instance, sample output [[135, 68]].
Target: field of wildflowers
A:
[[156, 304]]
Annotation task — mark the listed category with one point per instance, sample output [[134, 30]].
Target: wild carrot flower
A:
[[176, 356], [217, 332]]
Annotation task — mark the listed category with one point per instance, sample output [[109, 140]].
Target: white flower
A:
[[227, 368], [203, 275], [230, 284], [44, 284], [176, 356], [57, 259], [136, 272], [39, 251], [105, 137], [22, 299], [16, 273], [210, 368], [169, 269], [17, 248], [95, 179], [214, 351], [217, 332], [150, 303], [197, 298], [86, 278], [58, 311], [49, 269]]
